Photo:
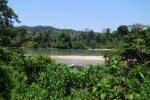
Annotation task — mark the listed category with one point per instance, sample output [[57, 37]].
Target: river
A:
[[71, 56]]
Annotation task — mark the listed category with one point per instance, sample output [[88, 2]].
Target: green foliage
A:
[[124, 76], [135, 48], [40, 78], [117, 88], [5, 82], [7, 17], [29, 37], [122, 30]]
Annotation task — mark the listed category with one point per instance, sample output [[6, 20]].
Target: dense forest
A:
[[49, 37], [124, 76]]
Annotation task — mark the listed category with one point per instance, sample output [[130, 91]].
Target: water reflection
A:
[[80, 52]]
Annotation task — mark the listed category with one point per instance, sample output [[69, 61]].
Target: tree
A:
[[7, 17], [107, 31], [99, 38], [135, 49], [19, 36], [122, 30], [137, 27], [65, 40]]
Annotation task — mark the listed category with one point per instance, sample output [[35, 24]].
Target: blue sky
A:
[[82, 14]]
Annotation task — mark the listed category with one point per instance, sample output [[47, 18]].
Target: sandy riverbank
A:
[[80, 58]]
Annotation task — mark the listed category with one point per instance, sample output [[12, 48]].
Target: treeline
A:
[[49, 37]]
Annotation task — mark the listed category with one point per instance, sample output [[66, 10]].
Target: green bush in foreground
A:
[[39, 78]]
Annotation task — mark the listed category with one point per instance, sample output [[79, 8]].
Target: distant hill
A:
[[40, 29], [44, 29]]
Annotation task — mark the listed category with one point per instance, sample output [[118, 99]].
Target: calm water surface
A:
[[79, 52]]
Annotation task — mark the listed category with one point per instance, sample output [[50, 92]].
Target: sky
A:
[[81, 14]]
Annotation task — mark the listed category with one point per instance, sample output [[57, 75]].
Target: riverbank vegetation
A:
[[124, 76]]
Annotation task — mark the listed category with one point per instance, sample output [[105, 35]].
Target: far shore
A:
[[101, 49], [104, 49]]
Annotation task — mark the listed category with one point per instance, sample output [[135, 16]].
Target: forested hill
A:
[[43, 29], [50, 37], [40, 28]]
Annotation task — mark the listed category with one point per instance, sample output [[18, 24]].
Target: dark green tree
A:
[[65, 40], [122, 30], [7, 17], [135, 49], [18, 38]]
